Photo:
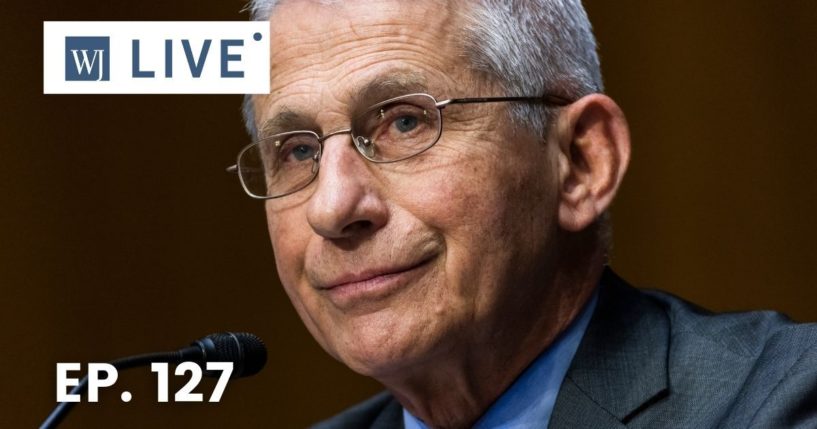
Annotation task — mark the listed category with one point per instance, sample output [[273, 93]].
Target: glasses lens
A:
[[279, 165], [397, 129]]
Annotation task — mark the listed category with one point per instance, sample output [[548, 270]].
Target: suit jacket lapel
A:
[[620, 368], [391, 417]]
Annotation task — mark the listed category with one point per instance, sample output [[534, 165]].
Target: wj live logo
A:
[[155, 57], [87, 58]]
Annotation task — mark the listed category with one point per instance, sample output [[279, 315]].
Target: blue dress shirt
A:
[[529, 401]]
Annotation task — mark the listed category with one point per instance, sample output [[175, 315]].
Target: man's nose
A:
[[347, 200]]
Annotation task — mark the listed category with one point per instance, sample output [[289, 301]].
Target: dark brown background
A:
[[120, 233]]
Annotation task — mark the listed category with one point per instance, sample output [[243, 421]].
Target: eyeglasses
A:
[[393, 130]]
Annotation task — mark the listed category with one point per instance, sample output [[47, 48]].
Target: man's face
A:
[[390, 265]]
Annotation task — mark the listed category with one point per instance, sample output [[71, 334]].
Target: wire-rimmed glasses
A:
[[393, 130]]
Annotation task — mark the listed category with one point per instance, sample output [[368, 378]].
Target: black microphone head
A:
[[246, 351]]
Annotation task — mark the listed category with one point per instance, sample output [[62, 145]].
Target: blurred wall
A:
[[120, 232]]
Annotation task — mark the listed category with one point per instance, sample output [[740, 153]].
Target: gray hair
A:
[[527, 47]]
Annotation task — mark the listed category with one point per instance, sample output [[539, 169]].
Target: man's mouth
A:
[[372, 284]]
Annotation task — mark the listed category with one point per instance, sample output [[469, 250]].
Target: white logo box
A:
[[175, 48]]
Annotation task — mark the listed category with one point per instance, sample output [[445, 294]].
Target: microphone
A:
[[246, 351]]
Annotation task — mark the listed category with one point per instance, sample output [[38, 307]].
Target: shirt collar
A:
[[529, 401]]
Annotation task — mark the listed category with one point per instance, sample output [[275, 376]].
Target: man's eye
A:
[[302, 152], [405, 123]]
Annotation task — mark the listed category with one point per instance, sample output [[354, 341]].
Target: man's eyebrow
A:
[[381, 88], [393, 84], [285, 120]]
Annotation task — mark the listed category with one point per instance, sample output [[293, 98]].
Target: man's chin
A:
[[379, 350], [382, 366]]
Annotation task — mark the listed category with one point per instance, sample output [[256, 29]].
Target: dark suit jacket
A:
[[651, 360]]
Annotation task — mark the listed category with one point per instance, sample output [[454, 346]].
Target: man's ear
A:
[[594, 150]]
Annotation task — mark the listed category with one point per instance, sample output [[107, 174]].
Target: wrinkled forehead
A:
[[344, 56], [320, 22]]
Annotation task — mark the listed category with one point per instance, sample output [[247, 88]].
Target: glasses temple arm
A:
[[547, 99]]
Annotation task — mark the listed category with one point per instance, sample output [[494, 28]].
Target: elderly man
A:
[[437, 176]]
